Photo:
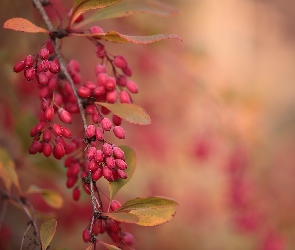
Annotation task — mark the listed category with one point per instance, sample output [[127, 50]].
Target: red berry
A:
[[92, 165], [58, 151], [99, 156], [96, 226], [132, 87], [76, 78], [91, 153], [110, 162], [84, 92], [90, 85], [47, 135], [71, 181], [76, 194], [47, 149], [107, 173], [106, 124], [99, 91], [122, 174], [115, 205], [57, 129], [43, 92], [19, 67], [64, 116], [110, 83], [100, 50], [59, 139], [90, 131], [53, 67], [86, 236], [117, 120], [121, 164], [42, 79], [105, 110], [43, 66], [29, 61], [113, 225], [96, 30], [70, 148], [49, 46], [112, 96], [49, 113], [127, 71], [100, 69], [128, 238], [97, 174], [101, 79], [120, 62], [119, 132], [66, 133], [73, 66], [86, 188], [118, 153], [44, 53], [30, 73], [125, 97], [35, 147], [33, 132], [121, 80], [107, 149], [40, 126], [90, 109]]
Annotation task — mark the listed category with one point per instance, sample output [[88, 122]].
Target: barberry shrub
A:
[[65, 98]]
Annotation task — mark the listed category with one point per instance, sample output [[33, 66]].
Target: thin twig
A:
[[60, 59], [24, 236], [3, 212]]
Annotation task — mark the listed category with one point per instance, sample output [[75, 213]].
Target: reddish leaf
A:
[[131, 7], [108, 246], [129, 112], [24, 25], [80, 6], [130, 158], [47, 232], [123, 217], [116, 37]]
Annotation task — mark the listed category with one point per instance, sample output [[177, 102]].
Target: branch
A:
[[63, 67]]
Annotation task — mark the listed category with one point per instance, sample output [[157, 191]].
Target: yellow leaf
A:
[[123, 217], [47, 232]]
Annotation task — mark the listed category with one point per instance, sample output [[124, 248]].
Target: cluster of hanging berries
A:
[[99, 225]]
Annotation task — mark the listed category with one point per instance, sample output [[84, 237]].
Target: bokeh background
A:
[[222, 138]]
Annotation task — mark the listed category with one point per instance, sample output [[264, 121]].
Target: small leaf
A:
[[129, 112], [123, 217], [51, 197], [131, 7], [24, 25], [47, 232], [80, 6], [130, 158], [7, 170], [116, 37], [108, 246]]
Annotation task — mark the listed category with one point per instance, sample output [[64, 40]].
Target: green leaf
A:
[[130, 158], [116, 37], [24, 25], [7, 170], [151, 211], [47, 232], [51, 197], [123, 217], [108, 246], [129, 112], [131, 7], [80, 6]]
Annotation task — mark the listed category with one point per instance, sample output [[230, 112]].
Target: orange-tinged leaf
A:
[[80, 6], [51, 197], [131, 7], [47, 232], [123, 217], [130, 158], [24, 25], [129, 112], [155, 216], [116, 37], [109, 246], [7, 170]]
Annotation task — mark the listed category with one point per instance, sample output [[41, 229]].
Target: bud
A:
[[64, 116], [106, 124], [119, 132]]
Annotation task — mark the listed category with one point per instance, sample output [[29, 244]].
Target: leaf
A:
[[123, 217], [24, 25], [51, 197], [80, 6], [131, 7], [116, 37], [90, 247], [108, 246], [130, 158], [7, 170], [129, 112], [151, 211], [47, 232]]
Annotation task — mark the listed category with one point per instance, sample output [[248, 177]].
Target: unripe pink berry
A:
[[107, 149], [44, 53], [106, 124], [29, 61], [97, 174], [110, 162], [122, 174], [96, 30], [125, 97], [47, 149], [121, 164], [99, 91], [49, 46], [120, 62], [86, 235], [99, 156], [128, 238], [58, 151], [111, 96], [71, 181], [118, 153], [132, 87], [119, 132], [90, 131], [64, 116], [100, 69], [35, 147], [100, 50], [121, 80], [110, 83], [98, 133], [49, 113], [57, 129], [42, 79], [127, 71], [19, 67], [66, 133], [107, 173], [76, 194], [53, 67], [29, 73], [47, 135], [84, 92], [115, 205]]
